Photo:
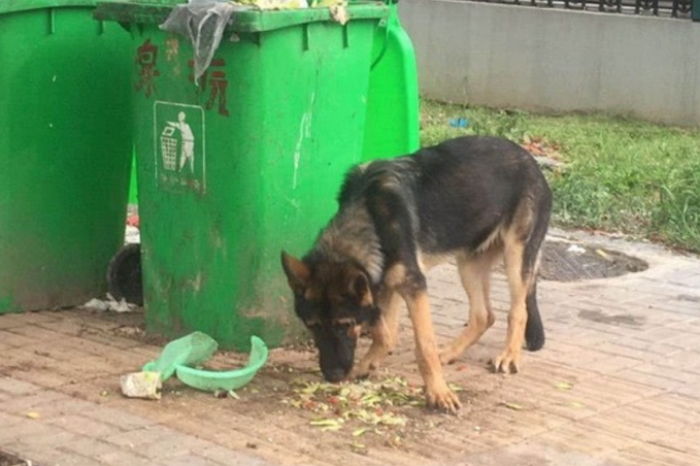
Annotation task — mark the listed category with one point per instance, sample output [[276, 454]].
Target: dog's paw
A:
[[507, 362], [441, 397], [363, 369], [448, 355]]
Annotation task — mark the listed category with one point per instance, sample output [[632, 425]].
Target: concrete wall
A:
[[556, 60]]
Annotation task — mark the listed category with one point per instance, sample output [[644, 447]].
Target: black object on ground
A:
[[124, 275]]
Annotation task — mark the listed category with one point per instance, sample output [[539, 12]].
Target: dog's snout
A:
[[335, 375]]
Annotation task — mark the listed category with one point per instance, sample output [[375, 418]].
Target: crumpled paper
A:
[[141, 385]]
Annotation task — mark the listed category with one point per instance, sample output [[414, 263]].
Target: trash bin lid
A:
[[155, 12]]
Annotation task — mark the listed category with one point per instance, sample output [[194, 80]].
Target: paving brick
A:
[[8, 421], [69, 325], [616, 349], [49, 456], [8, 321], [691, 390], [662, 455], [119, 418], [648, 379], [615, 383], [21, 404], [686, 341], [585, 438], [123, 457], [188, 460], [54, 440], [26, 428], [16, 387], [38, 333], [88, 447], [11, 320], [165, 447], [613, 364], [61, 407], [41, 378], [137, 437], [671, 374], [225, 456], [85, 426]]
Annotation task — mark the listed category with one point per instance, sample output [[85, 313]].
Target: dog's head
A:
[[334, 300]]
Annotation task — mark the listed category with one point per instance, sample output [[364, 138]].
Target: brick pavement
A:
[[618, 382]]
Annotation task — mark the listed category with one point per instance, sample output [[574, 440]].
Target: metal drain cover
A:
[[566, 262]]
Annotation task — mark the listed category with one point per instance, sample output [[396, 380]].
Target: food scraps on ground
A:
[[564, 385], [364, 407], [513, 406]]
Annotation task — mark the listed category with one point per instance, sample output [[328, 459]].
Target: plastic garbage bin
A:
[[245, 164], [392, 122], [65, 147]]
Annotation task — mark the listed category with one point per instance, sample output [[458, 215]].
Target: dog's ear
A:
[[298, 273], [360, 289]]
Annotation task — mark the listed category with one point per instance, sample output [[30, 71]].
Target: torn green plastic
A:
[[211, 381], [191, 349]]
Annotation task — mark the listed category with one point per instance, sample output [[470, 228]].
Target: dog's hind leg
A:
[[521, 247], [385, 334], [475, 272], [509, 359]]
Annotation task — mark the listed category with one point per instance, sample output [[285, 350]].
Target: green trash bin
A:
[[65, 146], [393, 121], [245, 164]]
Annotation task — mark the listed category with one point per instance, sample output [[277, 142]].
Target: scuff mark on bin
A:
[[197, 282], [172, 48], [294, 203], [172, 52], [304, 132]]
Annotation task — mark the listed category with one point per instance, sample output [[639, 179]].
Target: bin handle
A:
[[392, 16], [384, 47]]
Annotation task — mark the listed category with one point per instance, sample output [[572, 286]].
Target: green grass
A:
[[619, 175]]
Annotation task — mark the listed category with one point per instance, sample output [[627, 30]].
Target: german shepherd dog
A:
[[472, 198]]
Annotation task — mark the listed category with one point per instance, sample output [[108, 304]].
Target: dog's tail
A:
[[534, 330]]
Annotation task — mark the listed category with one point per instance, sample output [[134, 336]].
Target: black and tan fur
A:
[[473, 198]]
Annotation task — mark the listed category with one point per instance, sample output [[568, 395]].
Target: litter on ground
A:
[[109, 304]]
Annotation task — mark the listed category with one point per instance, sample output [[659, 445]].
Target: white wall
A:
[[556, 60]]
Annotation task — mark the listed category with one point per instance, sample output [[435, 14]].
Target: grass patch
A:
[[620, 174]]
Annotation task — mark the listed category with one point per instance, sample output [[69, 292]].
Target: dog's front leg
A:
[[437, 393], [385, 334]]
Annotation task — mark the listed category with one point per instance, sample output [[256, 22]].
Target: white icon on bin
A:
[[169, 144], [168, 148]]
